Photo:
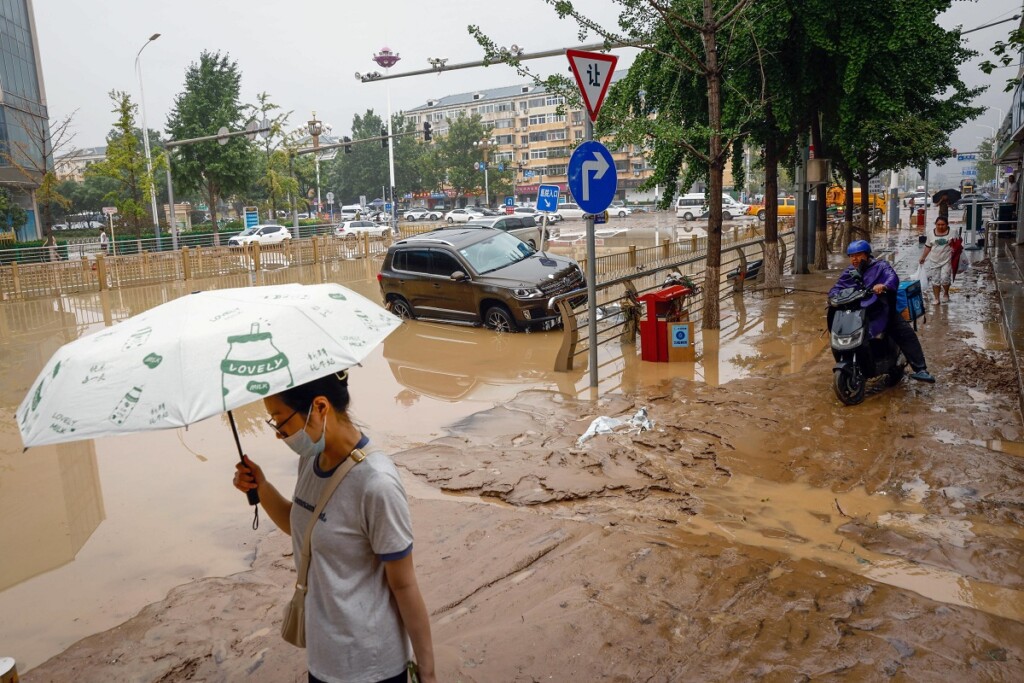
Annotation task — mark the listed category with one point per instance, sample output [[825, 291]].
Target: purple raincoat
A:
[[876, 272]]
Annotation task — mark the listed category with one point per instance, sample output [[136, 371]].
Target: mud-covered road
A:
[[759, 531]]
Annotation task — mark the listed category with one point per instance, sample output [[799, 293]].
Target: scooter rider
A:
[[878, 276]]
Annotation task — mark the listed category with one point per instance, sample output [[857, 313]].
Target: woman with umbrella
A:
[[363, 603], [938, 252]]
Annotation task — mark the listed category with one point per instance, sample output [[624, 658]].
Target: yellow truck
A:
[[836, 196]]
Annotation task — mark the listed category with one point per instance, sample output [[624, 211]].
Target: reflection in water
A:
[[50, 504]]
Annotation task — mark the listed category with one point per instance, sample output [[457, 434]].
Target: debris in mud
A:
[[990, 369], [607, 425]]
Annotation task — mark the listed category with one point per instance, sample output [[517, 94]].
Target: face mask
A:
[[303, 445]]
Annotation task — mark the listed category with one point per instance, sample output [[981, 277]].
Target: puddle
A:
[[802, 522]]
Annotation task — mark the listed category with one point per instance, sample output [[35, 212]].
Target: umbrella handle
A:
[[252, 494]]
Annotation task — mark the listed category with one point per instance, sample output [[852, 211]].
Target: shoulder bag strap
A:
[[354, 458]]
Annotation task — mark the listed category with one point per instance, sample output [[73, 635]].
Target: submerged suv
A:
[[476, 276]]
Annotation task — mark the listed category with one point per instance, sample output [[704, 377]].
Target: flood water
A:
[[92, 532]]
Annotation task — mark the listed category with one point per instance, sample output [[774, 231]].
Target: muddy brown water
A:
[[753, 485]]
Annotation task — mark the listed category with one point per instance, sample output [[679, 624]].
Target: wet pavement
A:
[[760, 530]]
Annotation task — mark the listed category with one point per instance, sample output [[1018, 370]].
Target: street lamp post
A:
[[485, 145], [145, 144], [387, 59], [315, 129]]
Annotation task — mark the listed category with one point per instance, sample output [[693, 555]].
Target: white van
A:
[[352, 212], [690, 206]]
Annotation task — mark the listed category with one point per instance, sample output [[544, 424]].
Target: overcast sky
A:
[[305, 52]]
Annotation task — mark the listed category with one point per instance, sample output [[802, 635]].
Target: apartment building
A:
[[531, 137], [71, 166]]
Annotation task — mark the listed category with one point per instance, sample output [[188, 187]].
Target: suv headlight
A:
[[527, 293]]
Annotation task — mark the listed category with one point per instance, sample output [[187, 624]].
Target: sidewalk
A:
[[1008, 269]]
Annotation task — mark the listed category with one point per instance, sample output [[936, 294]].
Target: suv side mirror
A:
[[459, 276]]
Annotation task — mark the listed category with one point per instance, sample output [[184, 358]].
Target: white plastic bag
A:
[[922, 275]]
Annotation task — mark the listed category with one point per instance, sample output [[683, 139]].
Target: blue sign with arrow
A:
[[592, 177], [510, 201], [547, 198]]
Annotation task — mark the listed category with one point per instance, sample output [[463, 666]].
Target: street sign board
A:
[[476, 165], [387, 207], [252, 216], [601, 218], [110, 210], [222, 134], [528, 174], [969, 171], [510, 201], [593, 71], [330, 197], [592, 176], [547, 198], [251, 129], [362, 200], [966, 157]]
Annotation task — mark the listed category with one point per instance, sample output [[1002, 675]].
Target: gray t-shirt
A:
[[354, 632]]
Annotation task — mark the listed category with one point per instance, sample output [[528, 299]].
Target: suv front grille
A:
[[567, 283]]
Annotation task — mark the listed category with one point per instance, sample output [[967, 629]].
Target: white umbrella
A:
[[198, 356]]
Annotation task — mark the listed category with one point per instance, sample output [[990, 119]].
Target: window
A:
[[443, 264], [556, 135], [553, 101], [538, 119], [505, 123], [578, 135], [556, 170], [413, 260], [537, 102], [486, 108], [538, 154], [577, 118], [538, 137], [501, 156], [505, 139], [524, 139]]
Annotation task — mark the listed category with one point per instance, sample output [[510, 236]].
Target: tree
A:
[[274, 178], [125, 165], [209, 101], [12, 216], [32, 155], [457, 154], [985, 161]]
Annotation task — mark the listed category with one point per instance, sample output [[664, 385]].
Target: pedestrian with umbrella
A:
[[207, 353], [938, 253]]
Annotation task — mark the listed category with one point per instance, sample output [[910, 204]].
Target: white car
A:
[[353, 230], [569, 210], [264, 234], [533, 213], [422, 215], [620, 211], [461, 215]]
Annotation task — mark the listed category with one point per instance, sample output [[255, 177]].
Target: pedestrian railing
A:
[[618, 307]]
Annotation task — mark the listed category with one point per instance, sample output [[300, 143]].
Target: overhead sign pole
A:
[[589, 179]]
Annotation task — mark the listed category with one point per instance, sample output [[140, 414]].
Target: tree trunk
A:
[[821, 220], [865, 227], [711, 318], [848, 210], [211, 197], [772, 264]]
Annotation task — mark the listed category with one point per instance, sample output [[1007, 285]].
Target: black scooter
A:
[[859, 358]]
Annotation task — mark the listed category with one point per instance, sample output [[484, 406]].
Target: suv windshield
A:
[[247, 232], [495, 252]]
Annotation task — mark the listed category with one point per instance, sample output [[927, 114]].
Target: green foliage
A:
[[1007, 54], [209, 101], [457, 154], [986, 169], [125, 167], [12, 216]]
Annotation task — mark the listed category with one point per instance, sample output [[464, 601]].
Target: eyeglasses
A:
[[277, 427]]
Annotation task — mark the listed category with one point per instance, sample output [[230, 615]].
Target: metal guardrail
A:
[[736, 259]]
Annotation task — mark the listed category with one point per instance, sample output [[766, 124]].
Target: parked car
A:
[[525, 228], [535, 214], [353, 230], [416, 214], [462, 215], [967, 199], [476, 276], [787, 207], [264, 234], [920, 199], [567, 210]]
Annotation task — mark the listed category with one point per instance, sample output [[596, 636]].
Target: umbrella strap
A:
[[255, 517]]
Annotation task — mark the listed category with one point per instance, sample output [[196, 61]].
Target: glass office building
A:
[[24, 123]]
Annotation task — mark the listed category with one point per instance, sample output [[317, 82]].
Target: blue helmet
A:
[[858, 247]]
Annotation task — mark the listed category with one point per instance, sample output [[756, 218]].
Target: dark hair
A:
[[333, 387], [943, 219]]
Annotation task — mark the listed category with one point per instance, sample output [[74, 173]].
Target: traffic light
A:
[[426, 131], [383, 137], [954, 151], [348, 144]]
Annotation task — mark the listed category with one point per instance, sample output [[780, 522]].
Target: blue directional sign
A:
[[528, 174], [252, 216], [501, 167], [592, 177], [965, 157], [510, 201], [387, 207], [547, 198], [681, 336]]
